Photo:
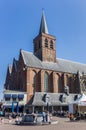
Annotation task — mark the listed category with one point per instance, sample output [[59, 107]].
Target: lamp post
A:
[[66, 89], [47, 102], [47, 106]]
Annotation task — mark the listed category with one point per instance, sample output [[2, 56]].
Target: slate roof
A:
[[43, 25], [54, 99], [61, 65]]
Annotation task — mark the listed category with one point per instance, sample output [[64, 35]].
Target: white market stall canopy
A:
[[81, 101], [79, 104]]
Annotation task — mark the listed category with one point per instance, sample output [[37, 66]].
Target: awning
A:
[[7, 95], [10, 106], [14, 96], [21, 96], [7, 106]]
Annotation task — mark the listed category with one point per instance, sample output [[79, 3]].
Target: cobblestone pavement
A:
[[63, 124]]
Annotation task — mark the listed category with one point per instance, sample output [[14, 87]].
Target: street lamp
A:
[[47, 101], [66, 89]]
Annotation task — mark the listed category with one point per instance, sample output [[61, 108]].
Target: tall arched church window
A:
[[46, 43], [45, 82], [51, 44], [34, 81]]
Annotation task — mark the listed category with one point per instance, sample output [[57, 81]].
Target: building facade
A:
[[14, 101], [41, 74]]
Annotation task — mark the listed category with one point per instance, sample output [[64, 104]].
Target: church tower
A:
[[44, 43]]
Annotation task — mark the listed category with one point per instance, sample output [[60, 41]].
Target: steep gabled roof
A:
[[61, 65], [9, 70], [8, 74], [15, 64]]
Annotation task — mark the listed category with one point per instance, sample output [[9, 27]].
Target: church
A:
[[50, 82]]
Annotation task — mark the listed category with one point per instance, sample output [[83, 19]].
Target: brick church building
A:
[[47, 80]]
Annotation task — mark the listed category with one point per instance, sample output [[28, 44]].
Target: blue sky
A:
[[20, 21]]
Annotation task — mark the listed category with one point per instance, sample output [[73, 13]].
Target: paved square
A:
[[63, 124]]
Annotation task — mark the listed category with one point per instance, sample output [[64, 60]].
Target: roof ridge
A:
[[26, 51], [71, 61]]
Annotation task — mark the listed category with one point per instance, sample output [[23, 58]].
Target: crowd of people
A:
[[8, 119], [45, 115]]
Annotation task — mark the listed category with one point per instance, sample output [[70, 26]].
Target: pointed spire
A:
[[43, 25]]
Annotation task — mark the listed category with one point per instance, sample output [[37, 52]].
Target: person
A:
[[71, 117], [10, 119], [17, 120], [2, 120], [44, 116], [48, 118]]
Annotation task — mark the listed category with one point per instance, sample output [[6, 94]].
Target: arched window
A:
[[45, 82], [51, 44], [34, 81], [46, 43]]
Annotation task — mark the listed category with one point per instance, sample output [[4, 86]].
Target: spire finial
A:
[[42, 9], [43, 25]]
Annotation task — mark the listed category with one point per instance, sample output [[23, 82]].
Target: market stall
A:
[[78, 107]]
